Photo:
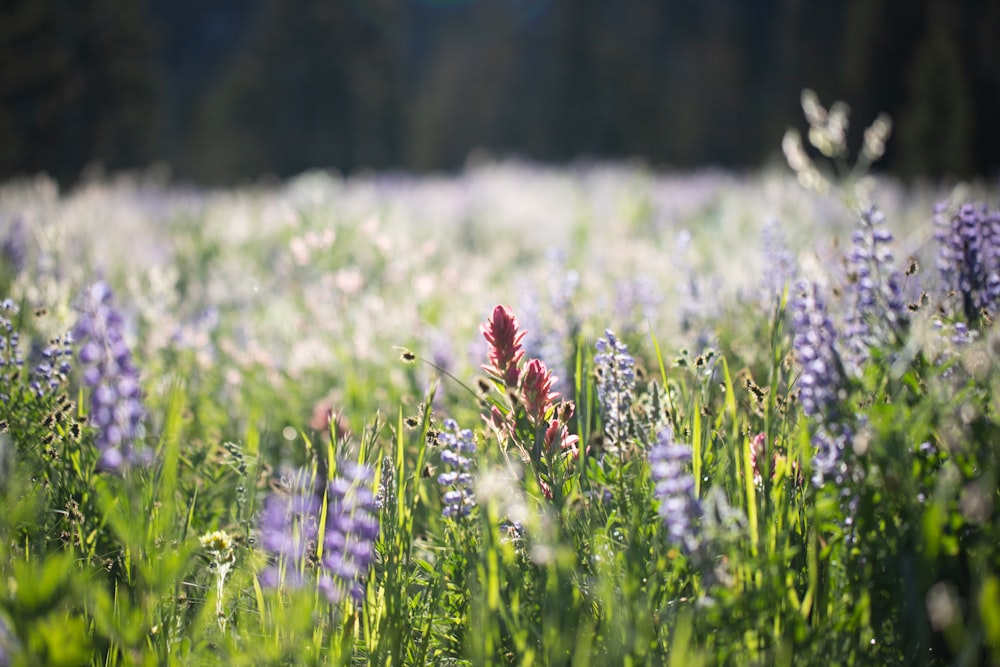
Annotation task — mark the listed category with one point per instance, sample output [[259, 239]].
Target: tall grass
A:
[[753, 456]]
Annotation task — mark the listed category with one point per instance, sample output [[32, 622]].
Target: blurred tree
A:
[[483, 77], [314, 84], [197, 39], [460, 103], [575, 116], [232, 89], [78, 84], [981, 29], [936, 123]]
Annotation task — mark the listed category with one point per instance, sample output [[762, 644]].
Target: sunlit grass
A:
[[267, 325]]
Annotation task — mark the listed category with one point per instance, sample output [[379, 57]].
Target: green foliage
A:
[[569, 556]]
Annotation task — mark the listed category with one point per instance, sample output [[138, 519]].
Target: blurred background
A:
[[227, 91]]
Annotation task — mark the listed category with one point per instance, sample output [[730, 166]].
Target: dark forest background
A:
[[229, 90]]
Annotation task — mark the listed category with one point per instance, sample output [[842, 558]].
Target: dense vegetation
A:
[[713, 420]]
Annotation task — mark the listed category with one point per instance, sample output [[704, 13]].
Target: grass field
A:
[[592, 415]]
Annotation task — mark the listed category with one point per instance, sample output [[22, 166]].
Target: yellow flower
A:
[[217, 540]]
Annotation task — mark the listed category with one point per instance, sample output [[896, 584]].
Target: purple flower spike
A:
[[820, 383], [115, 398], [878, 304], [814, 339], [458, 446], [289, 533], [615, 388], [679, 507], [351, 530], [969, 257], [11, 359], [14, 247], [779, 262]]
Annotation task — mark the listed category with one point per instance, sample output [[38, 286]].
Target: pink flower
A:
[[498, 419], [758, 450], [322, 416], [536, 390], [559, 439], [500, 422], [505, 352]]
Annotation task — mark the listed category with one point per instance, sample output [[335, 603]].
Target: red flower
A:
[[499, 421], [505, 352], [536, 390], [323, 415], [758, 449], [558, 438]]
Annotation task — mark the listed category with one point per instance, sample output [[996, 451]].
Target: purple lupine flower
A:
[[821, 381], [14, 248], [288, 525], [442, 351], [11, 359], [674, 489], [615, 388], [830, 440], [8, 643], [50, 366], [636, 298], [961, 334], [458, 446], [969, 257], [548, 336], [878, 305], [351, 530], [51, 372], [546, 342], [386, 486], [779, 262], [563, 285], [108, 371], [289, 533], [814, 339]]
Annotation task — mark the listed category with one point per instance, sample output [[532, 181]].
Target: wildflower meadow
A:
[[519, 415]]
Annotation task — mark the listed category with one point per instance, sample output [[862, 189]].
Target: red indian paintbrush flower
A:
[[537, 390], [758, 450], [505, 352], [559, 440]]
